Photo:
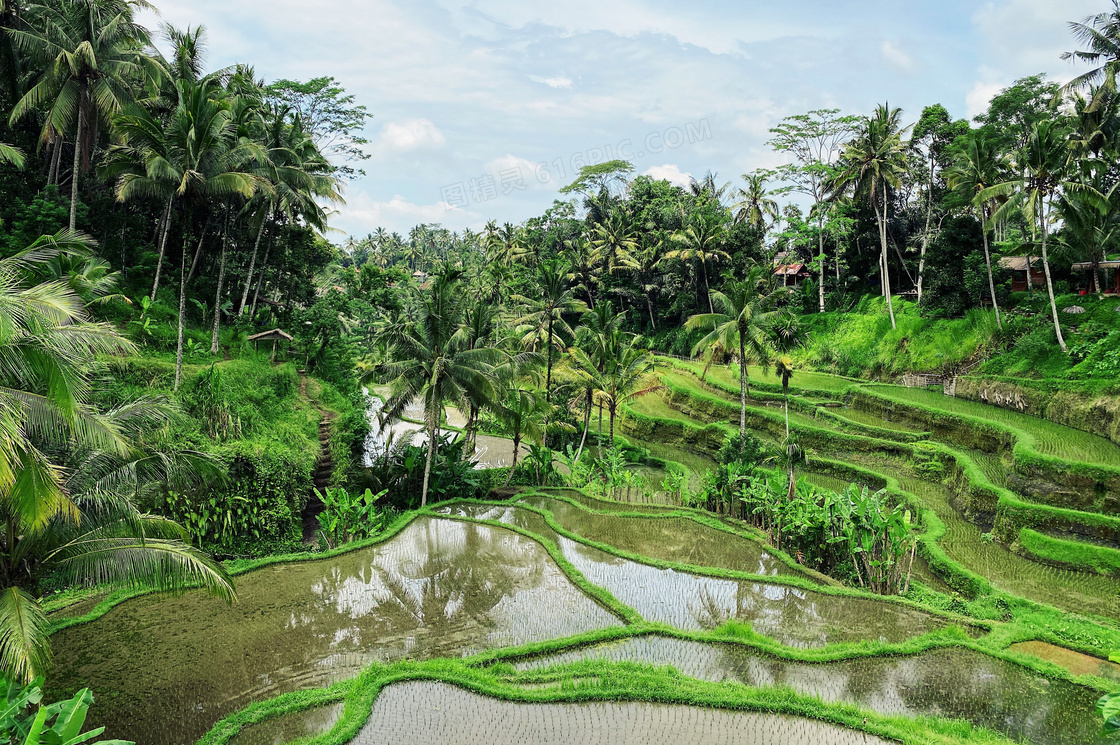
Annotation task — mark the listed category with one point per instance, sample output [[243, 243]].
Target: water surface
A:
[[166, 668]]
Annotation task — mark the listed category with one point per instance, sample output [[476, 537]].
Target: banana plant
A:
[[59, 723]]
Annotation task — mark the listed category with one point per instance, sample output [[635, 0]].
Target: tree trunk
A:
[[77, 164], [260, 280], [742, 386], [252, 266], [56, 160], [433, 417], [198, 251], [516, 447], [182, 305], [218, 294], [886, 271], [1049, 282], [925, 236], [162, 246], [600, 429], [707, 289], [649, 306], [586, 425], [991, 278], [820, 258], [612, 412]]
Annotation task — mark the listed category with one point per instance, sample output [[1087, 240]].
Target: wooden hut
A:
[[1108, 277], [275, 336], [1020, 267]]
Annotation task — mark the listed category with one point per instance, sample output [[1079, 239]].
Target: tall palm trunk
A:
[[991, 278], [612, 409], [925, 235], [516, 448], [182, 305], [1043, 216], [252, 266], [260, 280], [707, 289], [820, 258], [586, 425], [218, 293], [433, 419], [883, 242], [165, 229], [77, 159], [742, 386]]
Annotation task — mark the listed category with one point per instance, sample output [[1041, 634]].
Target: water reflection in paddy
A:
[[956, 683], [175, 665], [791, 615], [423, 713]]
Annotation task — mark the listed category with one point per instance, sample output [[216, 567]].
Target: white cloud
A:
[[363, 213], [512, 172], [977, 100], [1025, 37], [555, 82], [409, 135], [669, 172], [896, 57]]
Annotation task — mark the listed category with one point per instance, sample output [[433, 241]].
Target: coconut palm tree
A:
[[195, 157], [543, 320], [872, 164], [613, 243], [598, 338], [582, 271], [1100, 33], [627, 375], [11, 155], [521, 410], [433, 362], [977, 166], [89, 52], [1041, 172], [742, 322], [755, 206], [77, 522], [700, 242]]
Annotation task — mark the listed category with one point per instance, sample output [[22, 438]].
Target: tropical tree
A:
[[700, 242], [626, 375], [433, 362], [598, 340], [743, 323], [614, 242], [543, 320], [1100, 33], [755, 206], [872, 164], [77, 522], [521, 410], [814, 140], [1041, 171], [88, 52], [978, 166], [194, 158]]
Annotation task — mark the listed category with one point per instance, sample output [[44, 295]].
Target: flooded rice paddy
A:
[[167, 668], [422, 713]]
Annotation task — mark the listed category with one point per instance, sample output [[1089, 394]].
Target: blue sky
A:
[[471, 98]]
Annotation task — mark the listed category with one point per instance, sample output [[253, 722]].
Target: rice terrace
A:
[[407, 373]]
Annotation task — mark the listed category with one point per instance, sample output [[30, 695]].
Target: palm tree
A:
[[626, 375], [742, 323], [582, 272], [977, 167], [1101, 34], [1042, 171], [1089, 229], [706, 188], [598, 339], [78, 522], [433, 363], [521, 409], [872, 164], [544, 317], [783, 368], [700, 242], [89, 52], [11, 155], [193, 158], [755, 205], [613, 243]]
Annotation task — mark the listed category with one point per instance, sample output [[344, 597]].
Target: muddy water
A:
[[166, 668], [290, 726], [957, 683], [792, 616], [667, 538], [422, 713]]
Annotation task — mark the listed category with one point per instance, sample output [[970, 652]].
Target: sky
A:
[[485, 109]]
